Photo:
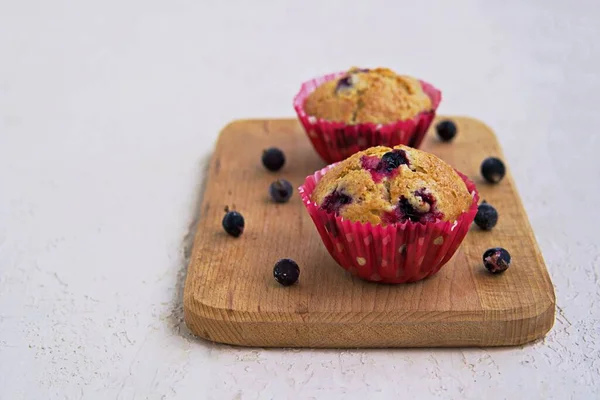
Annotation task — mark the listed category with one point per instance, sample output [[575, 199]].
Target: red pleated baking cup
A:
[[397, 253], [335, 141]]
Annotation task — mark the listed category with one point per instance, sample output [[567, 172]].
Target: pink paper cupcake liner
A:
[[335, 141], [397, 253]]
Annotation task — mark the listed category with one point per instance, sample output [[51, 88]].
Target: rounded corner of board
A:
[[234, 124], [197, 321], [541, 322], [208, 322]]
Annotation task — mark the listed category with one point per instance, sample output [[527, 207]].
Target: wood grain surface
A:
[[231, 297]]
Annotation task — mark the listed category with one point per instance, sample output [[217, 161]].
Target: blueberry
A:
[[386, 165], [407, 211], [496, 260], [446, 130], [233, 223], [487, 216], [273, 159], [281, 191], [393, 159], [493, 169], [334, 202], [344, 83], [286, 271]]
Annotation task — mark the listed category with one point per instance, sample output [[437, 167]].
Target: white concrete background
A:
[[110, 109]]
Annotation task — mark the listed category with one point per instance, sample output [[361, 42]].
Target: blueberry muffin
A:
[[377, 96], [384, 186]]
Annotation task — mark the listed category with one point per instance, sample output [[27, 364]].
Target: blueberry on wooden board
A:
[[493, 169], [281, 191], [487, 216], [446, 130], [273, 159], [496, 260], [233, 223], [286, 272]]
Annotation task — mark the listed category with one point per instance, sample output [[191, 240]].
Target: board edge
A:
[[230, 327]]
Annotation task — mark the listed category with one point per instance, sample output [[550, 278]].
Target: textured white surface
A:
[[109, 111]]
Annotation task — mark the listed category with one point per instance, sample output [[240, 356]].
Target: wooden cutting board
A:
[[231, 296]]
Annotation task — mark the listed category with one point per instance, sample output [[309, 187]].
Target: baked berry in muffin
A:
[[383, 185], [377, 96]]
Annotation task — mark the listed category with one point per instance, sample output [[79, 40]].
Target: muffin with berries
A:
[[351, 111], [391, 214]]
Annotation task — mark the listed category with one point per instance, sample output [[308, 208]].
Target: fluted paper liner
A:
[[396, 253]]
